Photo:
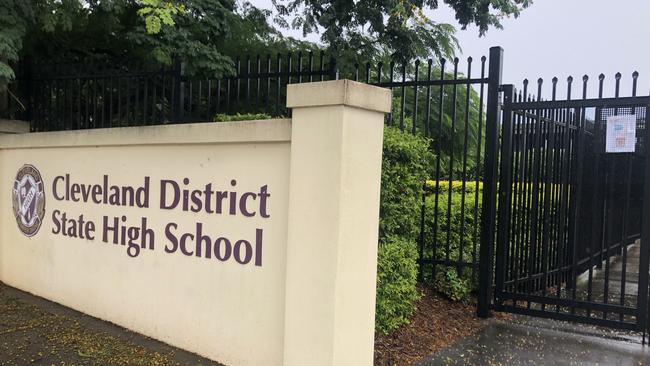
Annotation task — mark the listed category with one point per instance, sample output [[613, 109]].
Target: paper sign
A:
[[621, 134]]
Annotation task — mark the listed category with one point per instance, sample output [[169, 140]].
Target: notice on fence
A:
[[621, 134]]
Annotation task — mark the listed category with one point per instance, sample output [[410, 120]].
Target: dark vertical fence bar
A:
[[643, 308], [519, 146], [599, 196], [505, 191], [454, 117], [479, 140], [415, 94], [427, 117], [488, 212], [402, 108], [464, 171], [278, 85], [177, 101], [439, 137]]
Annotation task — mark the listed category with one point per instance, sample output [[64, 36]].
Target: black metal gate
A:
[[571, 217]]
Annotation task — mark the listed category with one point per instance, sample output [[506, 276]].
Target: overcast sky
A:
[[562, 38]]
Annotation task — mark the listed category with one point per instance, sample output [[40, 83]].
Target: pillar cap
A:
[[339, 92]]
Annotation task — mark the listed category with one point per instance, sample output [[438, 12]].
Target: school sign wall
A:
[[249, 243]]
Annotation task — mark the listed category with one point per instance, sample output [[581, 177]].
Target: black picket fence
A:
[[59, 98]]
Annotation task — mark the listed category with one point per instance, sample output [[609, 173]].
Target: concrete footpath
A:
[[532, 341]]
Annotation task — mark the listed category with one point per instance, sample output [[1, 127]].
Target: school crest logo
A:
[[28, 200]]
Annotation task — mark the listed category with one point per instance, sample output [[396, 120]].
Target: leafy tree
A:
[[458, 140], [151, 31], [15, 15], [205, 34], [365, 29], [252, 33], [449, 139]]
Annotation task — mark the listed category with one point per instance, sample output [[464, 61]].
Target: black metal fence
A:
[[444, 101], [568, 212], [452, 199], [64, 96]]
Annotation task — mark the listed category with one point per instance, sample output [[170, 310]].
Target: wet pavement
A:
[[524, 340], [532, 341], [617, 279]]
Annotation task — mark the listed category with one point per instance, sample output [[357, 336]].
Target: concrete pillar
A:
[[336, 149]]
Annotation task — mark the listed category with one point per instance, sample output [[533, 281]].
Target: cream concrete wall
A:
[[225, 311], [312, 302]]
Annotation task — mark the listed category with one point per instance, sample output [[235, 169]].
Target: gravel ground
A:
[[34, 331]]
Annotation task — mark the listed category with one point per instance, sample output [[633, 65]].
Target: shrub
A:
[[450, 244], [404, 168], [450, 284], [396, 279], [240, 117], [451, 281]]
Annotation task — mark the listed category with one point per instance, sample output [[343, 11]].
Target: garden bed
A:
[[436, 323]]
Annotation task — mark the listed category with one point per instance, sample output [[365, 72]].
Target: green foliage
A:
[[252, 33], [404, 168], [465, 217], [204, 34], [406, 160], [198, 27], [445, 217], [364, 29], [110, 31], [15, 16], [396, 279], [450, 284], [240, 117], [158, 12], [485, 14], [447, 138]]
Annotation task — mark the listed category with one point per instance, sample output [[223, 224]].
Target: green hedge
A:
[[406, 160], [456, 286], [240, 117], [448, 280]]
